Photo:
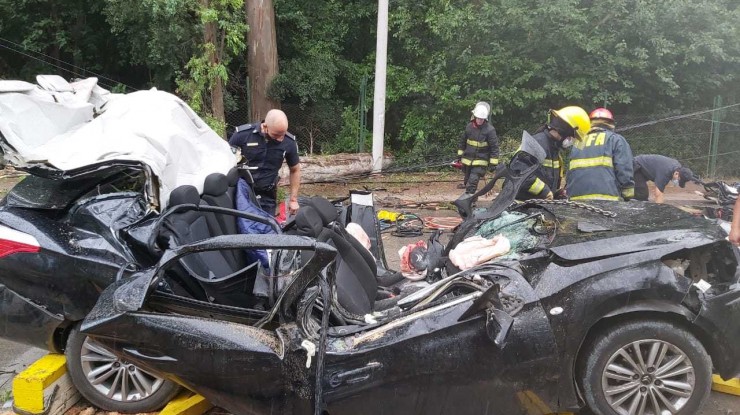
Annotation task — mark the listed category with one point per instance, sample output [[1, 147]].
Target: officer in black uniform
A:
[[660, 170], [265, 145]]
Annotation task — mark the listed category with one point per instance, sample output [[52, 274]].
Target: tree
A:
[[262, 58], [223, 31]]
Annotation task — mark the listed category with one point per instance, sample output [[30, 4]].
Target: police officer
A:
[[601, 165], [565, 126], [477, 148], [660, 170], [265, 145]]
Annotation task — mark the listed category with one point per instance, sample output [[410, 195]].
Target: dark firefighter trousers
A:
[[473, 174]]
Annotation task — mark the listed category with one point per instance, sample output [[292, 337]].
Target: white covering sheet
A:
[[54, 123]]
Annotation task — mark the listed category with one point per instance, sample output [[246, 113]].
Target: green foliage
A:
[[347, 140], [6, 395], [210, 64], [527, 56], [160, 35], [639, 57]]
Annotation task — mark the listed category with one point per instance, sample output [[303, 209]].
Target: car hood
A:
[[58, 129], [585, 232]]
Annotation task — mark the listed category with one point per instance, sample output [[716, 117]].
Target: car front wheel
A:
[[111, 383], [645, 367]]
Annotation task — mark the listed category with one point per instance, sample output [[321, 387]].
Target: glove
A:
[[492, 167], [549, 196], [561, 194]]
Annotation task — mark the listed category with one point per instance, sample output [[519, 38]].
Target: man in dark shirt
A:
[[265, 145], [660, 170]]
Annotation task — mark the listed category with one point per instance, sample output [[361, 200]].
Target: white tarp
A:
[[55, 123]]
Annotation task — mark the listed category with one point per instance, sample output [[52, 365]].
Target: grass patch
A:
[[6, 395]]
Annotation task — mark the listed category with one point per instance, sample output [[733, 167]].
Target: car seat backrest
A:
[[192, 226], [215, 193], [232, 177], [308, 222], [225, 277], [326, 210], [357, 287]]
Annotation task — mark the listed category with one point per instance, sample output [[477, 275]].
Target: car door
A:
[[239, 365], [435, 362]]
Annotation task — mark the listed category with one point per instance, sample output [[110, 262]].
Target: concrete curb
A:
[[731, 386], [44, 388], [187, 403]]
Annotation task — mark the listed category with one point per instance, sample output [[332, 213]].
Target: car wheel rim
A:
[[115, 378], [648, 377]]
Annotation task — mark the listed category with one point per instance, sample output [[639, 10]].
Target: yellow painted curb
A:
[[187, 403], [731, 386], [29, 385]]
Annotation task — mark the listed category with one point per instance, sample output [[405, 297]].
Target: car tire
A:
[[86, 357], [672, 368]]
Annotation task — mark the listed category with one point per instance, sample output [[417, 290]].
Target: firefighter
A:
[[565, 126], [600, 166], [478, 148]]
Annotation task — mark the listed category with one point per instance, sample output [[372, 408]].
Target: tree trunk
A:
[[262, 59], [210, 35]]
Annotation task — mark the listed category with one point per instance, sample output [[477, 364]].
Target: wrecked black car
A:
[[620, 307]]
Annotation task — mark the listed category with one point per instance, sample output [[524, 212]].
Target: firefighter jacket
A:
[[600, 167], [547, 177], [478, 145]]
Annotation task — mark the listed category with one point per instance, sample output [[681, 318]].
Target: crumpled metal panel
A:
[[25, 322]]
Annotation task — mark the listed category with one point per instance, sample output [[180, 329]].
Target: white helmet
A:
[[481, 110]]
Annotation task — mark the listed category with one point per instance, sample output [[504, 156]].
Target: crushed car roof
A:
[[63, 126]]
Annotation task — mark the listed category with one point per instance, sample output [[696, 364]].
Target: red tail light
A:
[[13, 242]]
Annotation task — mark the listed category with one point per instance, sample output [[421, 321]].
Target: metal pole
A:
[[715, 137], [379, 94], [362, 115]]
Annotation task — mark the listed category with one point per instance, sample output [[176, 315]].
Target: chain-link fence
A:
[[707, 141], [318, 128]]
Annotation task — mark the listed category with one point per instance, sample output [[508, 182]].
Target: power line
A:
[[51, 64], [17, 46], [718, 154], [675, 117], [718, 122]]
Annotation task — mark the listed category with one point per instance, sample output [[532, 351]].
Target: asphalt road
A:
[[14, 357]]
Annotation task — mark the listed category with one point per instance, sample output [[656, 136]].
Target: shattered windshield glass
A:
[[518, 228]]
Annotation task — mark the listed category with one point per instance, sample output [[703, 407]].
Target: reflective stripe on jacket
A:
[[546, 178], [478, 145], [600, 167]]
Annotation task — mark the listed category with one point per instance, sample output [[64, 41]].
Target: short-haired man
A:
[[660, 170], [265, 145]]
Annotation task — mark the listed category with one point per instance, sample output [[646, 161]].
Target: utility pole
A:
[[381, 60]]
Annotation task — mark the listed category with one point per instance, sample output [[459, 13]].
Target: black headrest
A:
[[308, 222], [215, 184], [232, 177], [326, 210], [183, 195]]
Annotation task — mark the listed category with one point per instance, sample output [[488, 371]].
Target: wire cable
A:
[[16, 46], [675, 117]]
